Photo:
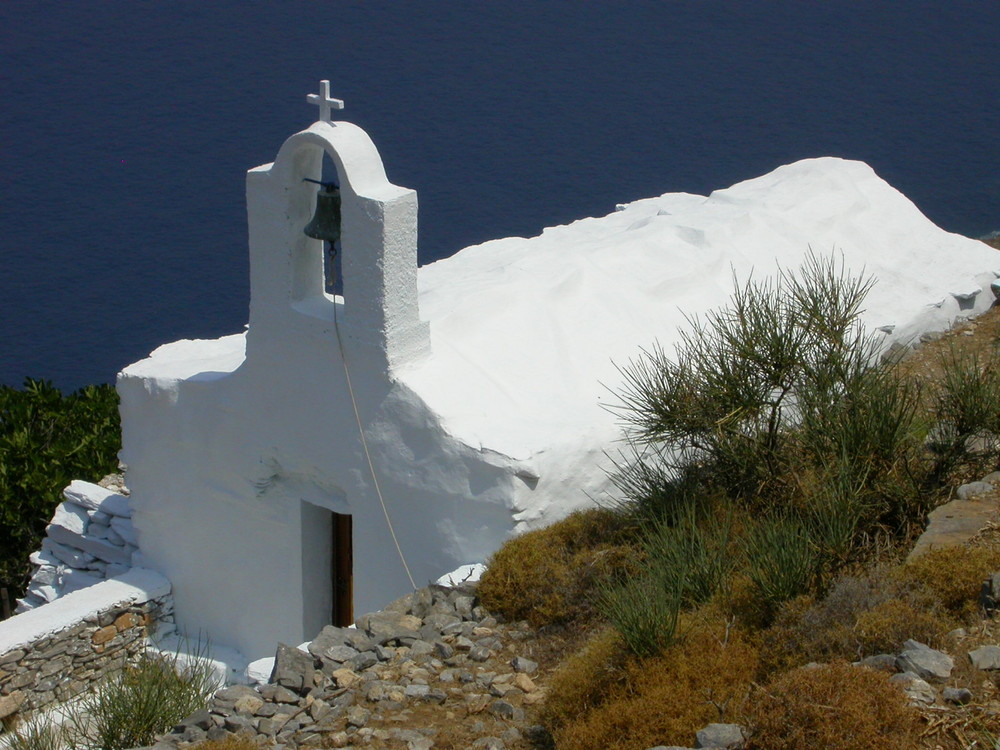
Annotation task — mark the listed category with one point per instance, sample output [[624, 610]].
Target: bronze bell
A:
[[325, 224]]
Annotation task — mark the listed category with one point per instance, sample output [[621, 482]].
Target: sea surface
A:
[[126, 129]]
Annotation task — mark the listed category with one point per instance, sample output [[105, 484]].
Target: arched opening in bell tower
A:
[[316, 216], [333, 279]]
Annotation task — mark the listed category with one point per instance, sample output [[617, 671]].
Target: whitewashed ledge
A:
[[57, 650], [137, 586]]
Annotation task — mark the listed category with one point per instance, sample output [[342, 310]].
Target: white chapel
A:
[[366, 436]]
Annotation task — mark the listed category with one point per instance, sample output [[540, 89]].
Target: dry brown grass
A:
[[833, 706], [868, 613], [666, 699], [953, 576], [232, 742], [884, 628], [583, 680], [550, 575]]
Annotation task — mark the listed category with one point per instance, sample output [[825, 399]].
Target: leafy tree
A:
[[46, 441]]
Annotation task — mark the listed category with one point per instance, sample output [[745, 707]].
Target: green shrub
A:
[[782, 560], [787, 351], [781, 382], [47, 440], [967, 406], [778, 408], [644, 610], [693, 556], [142, 700], [37, 733]]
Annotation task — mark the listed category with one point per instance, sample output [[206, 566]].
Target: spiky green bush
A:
[[782, 381], [144, 699], [967, 406], [778, 408]]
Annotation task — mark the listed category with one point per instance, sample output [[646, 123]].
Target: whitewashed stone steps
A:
[[90, 539]]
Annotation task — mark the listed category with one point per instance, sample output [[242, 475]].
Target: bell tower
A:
[[378, 312]]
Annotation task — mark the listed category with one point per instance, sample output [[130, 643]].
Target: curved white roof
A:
[[526, 333]]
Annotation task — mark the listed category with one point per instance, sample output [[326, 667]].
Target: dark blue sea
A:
[[126, 129]]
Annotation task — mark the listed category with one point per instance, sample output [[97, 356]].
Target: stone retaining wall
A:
[[55, 651]]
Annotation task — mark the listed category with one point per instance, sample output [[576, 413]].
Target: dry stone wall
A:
[[56, 651], [90, 539]]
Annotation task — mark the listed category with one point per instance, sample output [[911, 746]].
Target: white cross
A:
[[324, 101]]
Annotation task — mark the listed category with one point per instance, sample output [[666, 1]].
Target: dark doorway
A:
[[342, 570]]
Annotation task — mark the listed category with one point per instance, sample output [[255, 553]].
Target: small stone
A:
[[916, 689], [11, 657], [248, 704], [193, 735], [520, 664], [416, 691], [103, 635], [293, 669], [531, 699], [881, 662], [505, 710], [10, 704], [358, 640], [421, 648], [525, 683], [388, 626], [973, 489], [958, 696], [986, 657], [338, 739], [215, 734], [480, 653], [236, 723], [268, 726], [464, 605], [345, 678], [278, 694], [339, 653], [201, 718], [327, 638], [362, 661], [926, 662], [358, 716], [489, 743], [126, 621], [444, 650], [728, 736], [511, 735]]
